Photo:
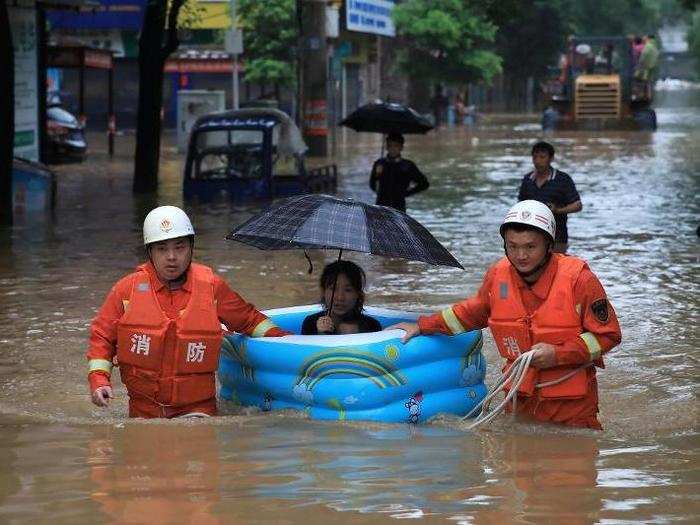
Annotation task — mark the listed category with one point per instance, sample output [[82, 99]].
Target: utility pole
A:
[[299, 114], [314, 76], [7, 115], [234, 45]]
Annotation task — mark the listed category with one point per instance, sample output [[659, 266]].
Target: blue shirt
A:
[[559, 189]]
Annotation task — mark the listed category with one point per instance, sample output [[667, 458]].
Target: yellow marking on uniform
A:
[[125, 303], [452, 322], [100, 364], [592, 344], [263, 327], [578, 308]]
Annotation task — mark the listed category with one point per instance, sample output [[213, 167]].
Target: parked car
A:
[[65, 133]]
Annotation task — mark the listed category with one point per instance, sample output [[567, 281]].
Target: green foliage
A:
[[269, 39], [694, 40], [613, 17], [672, 10], [531, 39], [446, 41], [269, 71], [532, 33], [191, 13]]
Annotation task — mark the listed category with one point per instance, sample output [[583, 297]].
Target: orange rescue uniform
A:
[[167, 341], [566, 307]]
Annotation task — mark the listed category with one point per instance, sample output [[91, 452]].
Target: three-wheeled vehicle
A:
[[253, 153]]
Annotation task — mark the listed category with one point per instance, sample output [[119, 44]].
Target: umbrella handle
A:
[[335, 282]]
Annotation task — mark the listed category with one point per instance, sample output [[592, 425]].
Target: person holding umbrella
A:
[[548, 306], [342, 297], [394, 178]]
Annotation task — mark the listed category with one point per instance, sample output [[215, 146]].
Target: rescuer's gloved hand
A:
[[543, 356], [102, 396]]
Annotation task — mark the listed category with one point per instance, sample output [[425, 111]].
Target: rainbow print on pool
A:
[[371, 377]]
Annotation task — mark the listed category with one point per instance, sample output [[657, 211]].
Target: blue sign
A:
[[110, 14], [370, 16]]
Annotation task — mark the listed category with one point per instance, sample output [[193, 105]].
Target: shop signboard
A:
[[26, 140], [370, 16]]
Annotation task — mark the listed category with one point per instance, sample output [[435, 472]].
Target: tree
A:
[[269, 40], [612, 17], [7, 115], [532, 32], [694, 40], [156, 43], [529, 38], [447, 41]]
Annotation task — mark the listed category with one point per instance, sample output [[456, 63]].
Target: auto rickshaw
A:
[[254, 153]]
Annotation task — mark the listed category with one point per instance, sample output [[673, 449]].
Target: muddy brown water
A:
[[64, 461]]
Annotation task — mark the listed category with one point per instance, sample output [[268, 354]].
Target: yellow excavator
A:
[[595, 87]]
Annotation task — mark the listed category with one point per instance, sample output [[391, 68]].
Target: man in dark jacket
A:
[[394, 178]]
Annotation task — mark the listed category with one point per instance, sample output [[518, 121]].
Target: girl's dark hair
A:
[[355, 275]]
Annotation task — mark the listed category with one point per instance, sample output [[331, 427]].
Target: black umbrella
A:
[[387, 117], [325, 222]]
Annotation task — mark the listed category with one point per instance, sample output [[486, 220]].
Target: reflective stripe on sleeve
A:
[[452, 322], [100, 364], [263, 327], [592, 344]]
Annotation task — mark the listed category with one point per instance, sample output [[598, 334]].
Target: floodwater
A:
[[65, 461]]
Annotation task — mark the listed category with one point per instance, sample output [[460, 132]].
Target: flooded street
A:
[[65, 460]]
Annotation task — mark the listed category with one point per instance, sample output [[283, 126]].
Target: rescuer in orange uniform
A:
[[544, 302], [163, 324]]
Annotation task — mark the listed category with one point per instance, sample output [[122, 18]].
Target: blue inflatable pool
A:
[[371, 377]]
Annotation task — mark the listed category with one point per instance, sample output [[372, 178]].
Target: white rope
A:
[[564, 377], [515, 376]]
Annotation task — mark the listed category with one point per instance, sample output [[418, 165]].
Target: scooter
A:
[[66, 135]]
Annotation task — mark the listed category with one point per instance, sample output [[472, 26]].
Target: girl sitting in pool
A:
[[345, 315]]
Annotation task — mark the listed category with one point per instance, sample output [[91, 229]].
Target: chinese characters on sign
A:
[[370, 16], [26, 142]]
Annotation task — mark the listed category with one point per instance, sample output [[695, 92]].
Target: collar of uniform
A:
[[158, 285], [540, 287], [552, 174]]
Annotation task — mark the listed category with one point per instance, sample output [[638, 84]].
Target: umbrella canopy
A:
[[326, 222], [387, 117]]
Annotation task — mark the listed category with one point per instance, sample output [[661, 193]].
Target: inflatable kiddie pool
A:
[[371, 377]]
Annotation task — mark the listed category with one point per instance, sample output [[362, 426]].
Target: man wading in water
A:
[[552, 305], [553, 187], [394, 178], [163, 323]]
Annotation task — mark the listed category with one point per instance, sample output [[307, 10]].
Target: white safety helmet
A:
[[531, 213], [166, 222], [583, 49]]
